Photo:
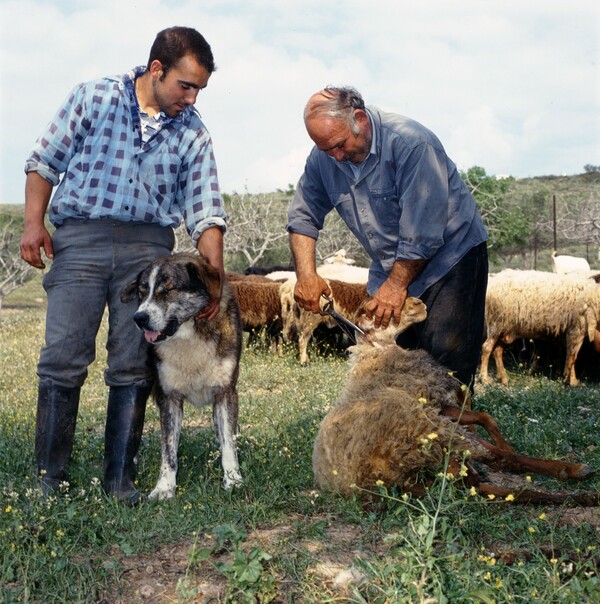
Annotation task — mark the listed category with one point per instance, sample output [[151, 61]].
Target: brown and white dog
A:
[[196, 360]]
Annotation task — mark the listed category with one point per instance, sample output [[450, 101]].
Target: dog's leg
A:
[[225, 417], [171, 417]]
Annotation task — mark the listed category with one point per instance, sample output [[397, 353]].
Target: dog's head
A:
[[170, 291], [413, 311]]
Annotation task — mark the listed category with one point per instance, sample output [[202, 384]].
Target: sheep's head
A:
[[413, 311]]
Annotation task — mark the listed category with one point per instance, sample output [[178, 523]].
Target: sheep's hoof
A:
[[585, 472]]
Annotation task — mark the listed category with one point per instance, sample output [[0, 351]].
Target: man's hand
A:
[[35, 235], [32, 242], [211, 310], [386, 304], [308, 291]]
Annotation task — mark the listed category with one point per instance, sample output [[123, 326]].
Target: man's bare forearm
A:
[[304, 253]]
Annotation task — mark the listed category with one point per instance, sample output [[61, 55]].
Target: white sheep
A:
[[401, 413], [534, 304]]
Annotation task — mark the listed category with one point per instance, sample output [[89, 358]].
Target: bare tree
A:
[[13, 270], [581, 222], [256, 225]]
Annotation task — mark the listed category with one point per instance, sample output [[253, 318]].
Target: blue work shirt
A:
[[108, 170], [408, 201]]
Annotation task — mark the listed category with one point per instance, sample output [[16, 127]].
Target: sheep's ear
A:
[[413, 311]]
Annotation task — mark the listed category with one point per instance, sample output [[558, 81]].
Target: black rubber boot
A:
[[54, 430], [122, 438]]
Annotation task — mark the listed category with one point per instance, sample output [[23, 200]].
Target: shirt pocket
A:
[[387, 212]]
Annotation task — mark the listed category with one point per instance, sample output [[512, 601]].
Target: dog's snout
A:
[[141, 319]]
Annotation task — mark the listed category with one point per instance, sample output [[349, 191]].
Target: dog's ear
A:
[[208, 274], [129, 291]]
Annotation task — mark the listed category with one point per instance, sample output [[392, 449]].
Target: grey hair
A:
[[337, 103]]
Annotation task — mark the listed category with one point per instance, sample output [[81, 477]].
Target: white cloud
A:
[[511, 86]]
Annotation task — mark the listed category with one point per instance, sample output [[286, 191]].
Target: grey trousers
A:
[[93, 260]]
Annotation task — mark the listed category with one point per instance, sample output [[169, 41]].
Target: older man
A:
[[392, 183]]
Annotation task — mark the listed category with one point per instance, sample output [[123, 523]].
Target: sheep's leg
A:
[[535, 496], [468, 418], [303, 339], [574, 343], [504, 460], [486, 351], [539, 496], [499, 360]]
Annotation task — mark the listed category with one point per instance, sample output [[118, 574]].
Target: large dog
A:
[[196, 359]]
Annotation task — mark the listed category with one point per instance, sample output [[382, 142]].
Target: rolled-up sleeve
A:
[[199, 193], [54, 149]]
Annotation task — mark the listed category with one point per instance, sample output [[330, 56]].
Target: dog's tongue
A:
[[151, 336]]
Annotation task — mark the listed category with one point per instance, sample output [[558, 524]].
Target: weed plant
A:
[[277, 538]]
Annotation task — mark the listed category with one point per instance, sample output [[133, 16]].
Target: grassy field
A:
[[277, 539]]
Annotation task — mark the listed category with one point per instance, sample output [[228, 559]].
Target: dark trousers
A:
[[454, 328]]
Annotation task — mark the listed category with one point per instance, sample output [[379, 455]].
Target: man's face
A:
[[179, 88], [336, 138]]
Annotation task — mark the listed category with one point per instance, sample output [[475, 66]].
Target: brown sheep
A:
[[533, 304], [299, 324], [398, 415]]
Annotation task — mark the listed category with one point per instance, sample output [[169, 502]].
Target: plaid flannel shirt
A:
[[95, 142]]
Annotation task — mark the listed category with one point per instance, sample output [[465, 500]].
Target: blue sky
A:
[[513, 86]]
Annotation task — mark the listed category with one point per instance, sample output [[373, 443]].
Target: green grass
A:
[[277, 538]]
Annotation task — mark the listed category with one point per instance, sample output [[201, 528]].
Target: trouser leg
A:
[[55, 428]]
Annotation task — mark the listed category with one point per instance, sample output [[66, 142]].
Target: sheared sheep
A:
[[533, 304], [399, 414]]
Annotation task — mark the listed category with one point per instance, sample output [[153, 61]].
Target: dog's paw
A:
[[161, 494], [232, 480]]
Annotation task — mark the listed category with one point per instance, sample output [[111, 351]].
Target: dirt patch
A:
[[167, 576]]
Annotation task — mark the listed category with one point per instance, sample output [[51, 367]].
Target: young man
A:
[[135, 158], [391, 181]]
